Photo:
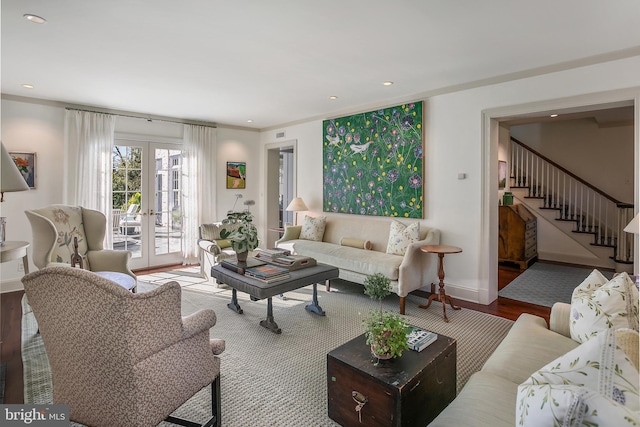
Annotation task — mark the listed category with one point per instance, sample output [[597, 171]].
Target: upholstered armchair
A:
[[118, 358], [213, 248], [54, 228]]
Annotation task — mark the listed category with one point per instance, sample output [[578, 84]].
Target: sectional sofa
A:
[[360, 247], [541, 376]]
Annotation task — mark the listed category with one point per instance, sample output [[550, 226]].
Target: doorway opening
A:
[[280, 181]]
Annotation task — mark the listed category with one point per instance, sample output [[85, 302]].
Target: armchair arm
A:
[[210, 246], [110, 260], [197, 322], [560, 319], [412, 268], [291, 232]]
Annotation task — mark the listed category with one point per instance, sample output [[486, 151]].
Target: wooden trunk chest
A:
[[518, 238], [409, 391]]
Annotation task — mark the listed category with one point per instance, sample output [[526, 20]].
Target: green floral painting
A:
[[373, 164]]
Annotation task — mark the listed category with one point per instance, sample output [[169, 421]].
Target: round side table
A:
[[441, 295]]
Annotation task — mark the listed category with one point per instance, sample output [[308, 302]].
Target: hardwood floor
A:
[[11, 316]]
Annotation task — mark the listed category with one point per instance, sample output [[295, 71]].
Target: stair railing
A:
[[593, 211]]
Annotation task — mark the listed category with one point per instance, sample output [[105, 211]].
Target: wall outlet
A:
[[20, 267]]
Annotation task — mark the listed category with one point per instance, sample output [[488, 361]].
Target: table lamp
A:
[[10, 180], [296, 206]]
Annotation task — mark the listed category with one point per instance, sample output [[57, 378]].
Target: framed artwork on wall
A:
[[26, 163], [502, 174], [373, 163], [236, 175]]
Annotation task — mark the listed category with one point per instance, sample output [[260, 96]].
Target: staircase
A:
[[587, 214]]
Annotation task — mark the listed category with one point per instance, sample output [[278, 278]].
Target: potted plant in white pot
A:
[[238, 228], [386, 332]]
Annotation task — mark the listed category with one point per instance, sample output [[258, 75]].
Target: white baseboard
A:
[[11, 285], [458, 292]]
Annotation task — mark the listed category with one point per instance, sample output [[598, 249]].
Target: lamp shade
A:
[[297, 205], [634, 225], [10, 177]]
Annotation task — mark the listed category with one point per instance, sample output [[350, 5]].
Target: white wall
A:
[[457, 140], [36, 126], [586, 149]]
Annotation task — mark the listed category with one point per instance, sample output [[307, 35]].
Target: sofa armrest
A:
[[412, 266], [560, 319], [110, 260], [291, 232], [198, 322], [210, 246]]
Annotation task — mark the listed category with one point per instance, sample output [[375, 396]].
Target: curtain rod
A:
[[149, 118]]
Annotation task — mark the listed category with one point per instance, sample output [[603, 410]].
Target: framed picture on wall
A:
[[26, 163], [502, 174], [236, 174]]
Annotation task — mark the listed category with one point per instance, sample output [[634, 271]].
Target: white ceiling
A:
[[278, 61]]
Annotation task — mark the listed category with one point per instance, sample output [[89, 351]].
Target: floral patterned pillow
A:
[[68, 223], [597, 307], [400, 236], [597, 374], [313, 228]]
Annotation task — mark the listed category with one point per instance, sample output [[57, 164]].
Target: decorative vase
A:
[[242, 256]]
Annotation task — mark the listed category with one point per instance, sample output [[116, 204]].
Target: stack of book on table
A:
[[269, 255], [293, 262], [267, 273], [240, 267], [419, 339]]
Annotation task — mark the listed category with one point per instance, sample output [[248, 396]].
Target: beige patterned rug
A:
[[280, 380]]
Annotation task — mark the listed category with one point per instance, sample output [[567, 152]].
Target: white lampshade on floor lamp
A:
[[634, 227], [10, 180], [296, 206]]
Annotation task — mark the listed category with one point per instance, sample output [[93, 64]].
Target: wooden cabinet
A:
[[518, 239], [405, 392]]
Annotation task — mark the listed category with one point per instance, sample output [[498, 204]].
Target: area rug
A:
[[280, 380], [545, 284]]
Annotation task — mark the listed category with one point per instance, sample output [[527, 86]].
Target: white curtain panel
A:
[[199, 186], [88, 149]]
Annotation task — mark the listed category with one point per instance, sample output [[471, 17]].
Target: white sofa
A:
[[407, 272]]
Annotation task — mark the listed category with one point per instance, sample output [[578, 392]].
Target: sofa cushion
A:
[[486, 400], [596, 307], [401, 236], [313, 228], [528, 346], [348, 258], [597, 375], [571, 406], [210, 232], [355, 243]]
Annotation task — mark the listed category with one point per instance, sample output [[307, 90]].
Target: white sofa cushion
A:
[[595, 380], [597, 307], [401, 236], [313, 228], [352, 259]]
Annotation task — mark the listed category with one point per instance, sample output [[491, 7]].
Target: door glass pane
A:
[[127, 198], [168, 201]]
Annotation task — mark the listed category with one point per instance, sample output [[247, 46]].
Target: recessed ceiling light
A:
[[387, 83], [249, 121], [553, 115], [34, 18], [27, 86], [332, 97]]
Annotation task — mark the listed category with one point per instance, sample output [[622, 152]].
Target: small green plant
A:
[[386, 332], [240, 231]]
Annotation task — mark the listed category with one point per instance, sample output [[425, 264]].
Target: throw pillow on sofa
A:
[[313, 228], [401, 236], [597, 307], [595, 380]]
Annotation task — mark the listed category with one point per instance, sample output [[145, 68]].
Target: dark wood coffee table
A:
[[409, 391], [258, 289]]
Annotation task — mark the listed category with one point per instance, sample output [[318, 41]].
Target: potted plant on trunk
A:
[[386, 332], [240, 231]]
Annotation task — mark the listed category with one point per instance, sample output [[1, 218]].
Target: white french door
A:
[[147, 204]]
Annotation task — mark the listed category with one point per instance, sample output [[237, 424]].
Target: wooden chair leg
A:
[[216, 401], [403, 301]]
